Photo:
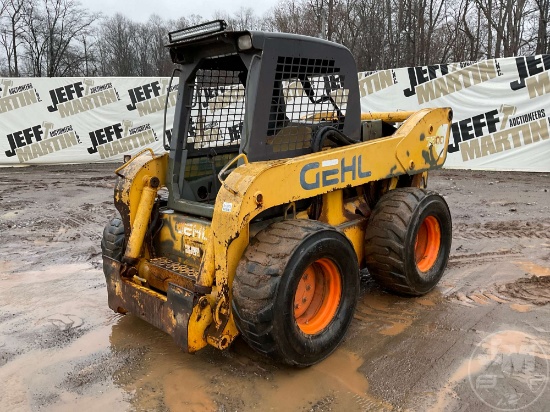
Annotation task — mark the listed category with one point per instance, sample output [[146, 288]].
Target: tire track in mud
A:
[[520, 294], [504, 229], [458, 260], [53, 331], [78, 230], [87, 222], [478, 298], [533, 290], [389, 314], [368, 404]]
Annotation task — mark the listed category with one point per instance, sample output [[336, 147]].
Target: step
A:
[[161, 271]]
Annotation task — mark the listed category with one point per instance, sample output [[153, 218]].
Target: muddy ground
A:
[[480, 341]]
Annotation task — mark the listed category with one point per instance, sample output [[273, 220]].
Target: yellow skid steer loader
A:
[[274, 192]]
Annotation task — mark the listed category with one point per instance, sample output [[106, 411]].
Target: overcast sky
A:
[[140, 10]]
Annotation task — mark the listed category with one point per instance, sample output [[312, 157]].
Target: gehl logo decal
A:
[[80, 97], [192, 231], [331, 172]]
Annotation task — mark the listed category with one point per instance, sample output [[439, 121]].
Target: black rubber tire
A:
[[391, 235], [113, 242], [265, 285]]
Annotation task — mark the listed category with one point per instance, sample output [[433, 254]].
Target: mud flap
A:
[[169, 313]]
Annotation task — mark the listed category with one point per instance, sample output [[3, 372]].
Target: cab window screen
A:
[[217, 109]]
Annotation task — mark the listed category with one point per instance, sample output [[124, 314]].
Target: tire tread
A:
[[386, 237], [257, 279]]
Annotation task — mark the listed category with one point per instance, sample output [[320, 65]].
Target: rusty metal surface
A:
[[180, 306], [168, 313], [387, 116], [161, 271], [182, 238], [129, 184]]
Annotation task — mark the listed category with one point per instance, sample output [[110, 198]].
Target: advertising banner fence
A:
[[77, 120], [500, 106]]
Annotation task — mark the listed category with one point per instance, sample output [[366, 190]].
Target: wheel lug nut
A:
[[304, 300], [308, 287]]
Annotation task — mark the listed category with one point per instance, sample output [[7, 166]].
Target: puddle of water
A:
[[396, 328], [425, 301], [534, 269], [185, 389], [42, 372], [507, 342], [521, 308], [165, 376], [337, 377], [380, 302], [382, 310], [110, 400], [238, 379], [9, 215], [447, 396], [390, 315], [55, 324]]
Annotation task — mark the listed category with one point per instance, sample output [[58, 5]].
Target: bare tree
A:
[[66, 21], [242, 19], [543, 46], [116, 48], [33, 38], [292, 16], [507, 18], [161, 64], [61, 38], [11, 13], [53, 33]]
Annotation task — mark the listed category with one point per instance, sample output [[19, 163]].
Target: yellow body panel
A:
[[390, 117], [251, 188], [133, 179]]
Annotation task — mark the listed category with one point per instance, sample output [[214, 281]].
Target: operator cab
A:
[[267, 95]]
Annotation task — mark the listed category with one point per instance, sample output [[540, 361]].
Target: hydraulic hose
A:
[[331, 133]]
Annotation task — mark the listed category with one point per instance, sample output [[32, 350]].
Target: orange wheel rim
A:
[[428, 240], [317, 296]]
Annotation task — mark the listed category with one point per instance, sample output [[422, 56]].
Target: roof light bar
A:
[[200, 30]]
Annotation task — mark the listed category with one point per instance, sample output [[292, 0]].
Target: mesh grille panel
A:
[[217, 109], [305, 92], [176, 267]]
